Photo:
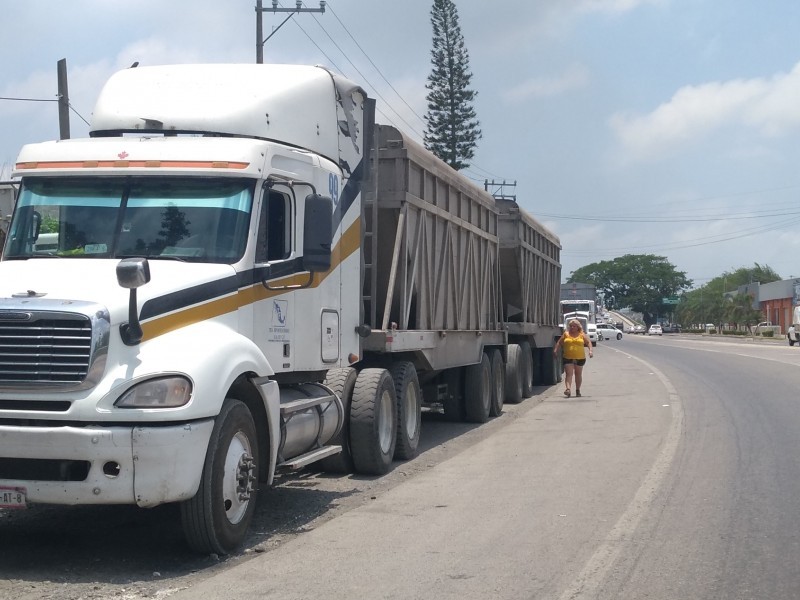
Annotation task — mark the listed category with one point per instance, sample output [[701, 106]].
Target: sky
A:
[[664, 127]]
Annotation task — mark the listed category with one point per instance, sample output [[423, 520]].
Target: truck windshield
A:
[[196, 220]]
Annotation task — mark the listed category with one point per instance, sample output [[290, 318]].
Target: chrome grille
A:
[[46, 348]]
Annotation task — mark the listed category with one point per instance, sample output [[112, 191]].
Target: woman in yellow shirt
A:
[[574, 340]]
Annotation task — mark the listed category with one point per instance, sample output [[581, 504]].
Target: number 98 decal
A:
[[333, 188]]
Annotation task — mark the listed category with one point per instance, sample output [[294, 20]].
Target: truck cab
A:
[[174, 290]]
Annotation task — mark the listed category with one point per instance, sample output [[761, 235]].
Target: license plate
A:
[[13, 497]]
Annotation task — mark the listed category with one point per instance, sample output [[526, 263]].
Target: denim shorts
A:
[[575, 361]]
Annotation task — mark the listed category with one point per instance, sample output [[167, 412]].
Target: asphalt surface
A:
[[531, 511]]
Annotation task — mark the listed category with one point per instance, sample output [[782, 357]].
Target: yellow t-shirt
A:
[[573, 347]]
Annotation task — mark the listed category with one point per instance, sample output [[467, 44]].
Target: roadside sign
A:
[[671, 300]]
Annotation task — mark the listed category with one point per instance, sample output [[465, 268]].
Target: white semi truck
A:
[[243, 273]]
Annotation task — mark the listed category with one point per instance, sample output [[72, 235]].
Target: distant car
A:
[[793, 334], [608, 331], [593, 333], [638, 329], [671, 328], [655, 330]]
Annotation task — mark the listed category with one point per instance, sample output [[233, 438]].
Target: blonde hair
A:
[[575, 322]]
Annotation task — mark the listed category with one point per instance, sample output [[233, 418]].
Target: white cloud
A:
[[613, 6], [575, 77], [769, 106]]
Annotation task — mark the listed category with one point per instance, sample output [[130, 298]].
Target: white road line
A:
[[589, 580]]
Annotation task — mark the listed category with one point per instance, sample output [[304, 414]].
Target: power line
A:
[[29, 99], [694, 243], [478, 176], [674, 219], [72, 108], [422, 120], [364, 77]]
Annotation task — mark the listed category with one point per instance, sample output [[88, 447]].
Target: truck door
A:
[[274, 314]]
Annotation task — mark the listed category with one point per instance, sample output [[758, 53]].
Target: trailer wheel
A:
[[452, 404], [498, 383], [514, 375], [409, 409], [551, 366], [526, 368], [217, 518], [373, 423], [478, 391], [342, 381]]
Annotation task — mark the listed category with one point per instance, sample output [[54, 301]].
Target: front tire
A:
[[373, 422], [217, 518]]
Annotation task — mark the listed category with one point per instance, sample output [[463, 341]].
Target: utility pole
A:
[[499, 188], [63, 100], [260, 40]]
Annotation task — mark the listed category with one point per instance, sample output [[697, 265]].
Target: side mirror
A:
[[37, 225], [131, 274], [317, 233]]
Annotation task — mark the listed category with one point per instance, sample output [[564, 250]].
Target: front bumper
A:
[[139, 465]]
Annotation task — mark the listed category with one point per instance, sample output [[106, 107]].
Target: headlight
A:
[[167, 392]]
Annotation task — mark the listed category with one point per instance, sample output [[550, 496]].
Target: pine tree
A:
[[452, 127]]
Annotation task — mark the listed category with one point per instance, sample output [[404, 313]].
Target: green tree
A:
[[452, 130], [636, 281], [739, 311], [707, 304]]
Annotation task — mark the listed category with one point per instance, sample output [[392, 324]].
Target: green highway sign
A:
[[672, 300]]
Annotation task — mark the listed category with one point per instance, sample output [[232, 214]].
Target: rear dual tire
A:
[[478, 390], [409, 409], [342, 381], [373, 422]]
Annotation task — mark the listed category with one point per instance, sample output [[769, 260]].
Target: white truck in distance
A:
[[244, 273], [793, 333]]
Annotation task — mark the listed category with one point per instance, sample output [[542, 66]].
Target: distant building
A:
[[775, 300]]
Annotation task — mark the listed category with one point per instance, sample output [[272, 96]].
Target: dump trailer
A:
[[244, 274], [531, 275]]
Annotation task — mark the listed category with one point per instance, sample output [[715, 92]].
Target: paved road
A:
[[675, 476], [530, 512], [724, 524]]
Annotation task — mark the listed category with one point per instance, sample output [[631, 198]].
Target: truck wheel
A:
[[478, 391], [527, 369], [514, 375], [452, 404], [551, 366], [373, 423], [409, 409], [216, 520], [342, 381], [498, 383]]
